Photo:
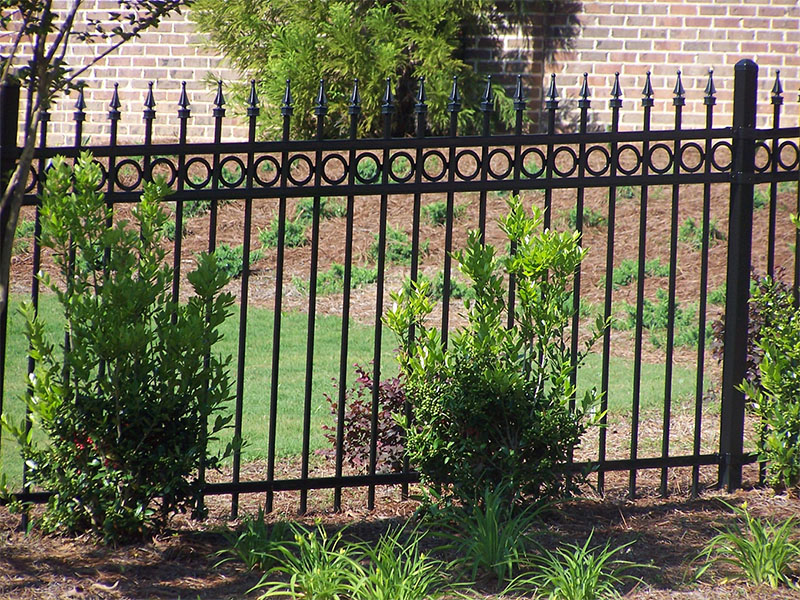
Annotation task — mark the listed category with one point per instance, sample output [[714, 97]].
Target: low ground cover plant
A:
[[331, 281], [761, 552], [436, 212], [329, 208], [230, 259], [627, 271], [692, 233], [398, 247], [493, 408], [294, 233], [130, 405]]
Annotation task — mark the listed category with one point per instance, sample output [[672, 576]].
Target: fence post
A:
[[9, 117], [740, 233]]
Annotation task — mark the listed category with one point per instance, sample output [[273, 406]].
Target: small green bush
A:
[[332, 281], [130, 406], [628, 270], [398, 247], [591, 218], [436, 212], [23, 236], [691, 233], [775, 400], [760, 197], [230, 259], [294, 234], [328, 209], [492, 408]]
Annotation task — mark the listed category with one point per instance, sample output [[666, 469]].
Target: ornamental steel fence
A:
[[561, 168]]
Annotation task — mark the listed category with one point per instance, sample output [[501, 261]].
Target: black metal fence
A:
[[454, 167]]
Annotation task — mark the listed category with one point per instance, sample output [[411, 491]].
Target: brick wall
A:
[[635, 36], [600, 37], [168, 55]]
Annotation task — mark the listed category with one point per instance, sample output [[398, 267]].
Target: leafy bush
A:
[[760, 197], [126, 409], [763, 552], [591, 218], [774, 399], [358, 423], [766, 297], [655, 318], [398, 247], [306, 40], [436, 212], [195, 208], [368, 172], [628, 270], [255, 543], [294, 234], [492, 408], [328, 209], [230, 259], [692, 233]]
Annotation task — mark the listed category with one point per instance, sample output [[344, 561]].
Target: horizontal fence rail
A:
[[273, 173]]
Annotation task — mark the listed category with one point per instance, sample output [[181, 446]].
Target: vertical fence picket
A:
[[253, 111], [519, 110], [354, 111], [453, 107], [647, 106], [777, 102], [709, 101], [287, 108], [487, 106], [615, 104], [320, 110], [551, 104], [678, 102]]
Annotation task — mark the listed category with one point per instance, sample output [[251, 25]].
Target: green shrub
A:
[[775, 400], [626, 192], [398, 247], [305, 40], [230, 259], [436, 212], [328, 209], [717, 296], [692, 233], [761, 551], [492, 408], [628, 270], [655, 318], [129, 409], [760, 197], [294, 234], [591, 218], [256, 543]]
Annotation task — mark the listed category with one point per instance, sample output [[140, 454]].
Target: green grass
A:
[[326, 367]]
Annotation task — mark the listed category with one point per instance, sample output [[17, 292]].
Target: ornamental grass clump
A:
[[761, 552], [131, 401], [493, 407]]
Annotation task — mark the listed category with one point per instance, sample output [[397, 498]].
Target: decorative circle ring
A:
[[700, 161], [636, 153], [713, 157], [242, 171], [652, 154], [324, 167], [509, 166], [392, 163], [761, 168], [442, 164], [573, 156], [198, 160], [158, 162], [368, 156], [779, 158], [476, 159], [275, 169], [606, 161]]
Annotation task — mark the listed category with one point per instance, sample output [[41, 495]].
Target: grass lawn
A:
[[326, 368]]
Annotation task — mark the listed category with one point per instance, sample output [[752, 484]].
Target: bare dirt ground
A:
[[668, 532]]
